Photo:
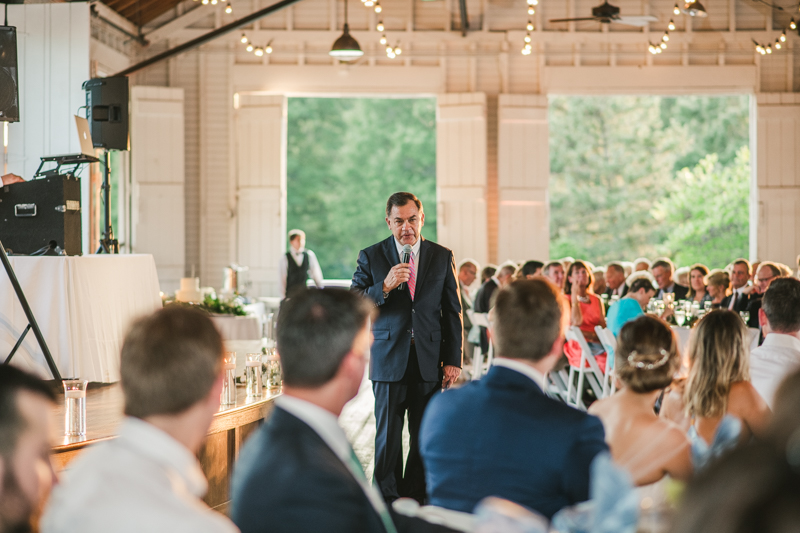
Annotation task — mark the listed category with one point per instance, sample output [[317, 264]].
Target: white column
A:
[[461, 174], [523, 176], [157, 172], [260, 146]]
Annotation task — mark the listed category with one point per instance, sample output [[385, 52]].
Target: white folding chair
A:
[[591, 374], [479, 366], [555, 384], [609, 342]]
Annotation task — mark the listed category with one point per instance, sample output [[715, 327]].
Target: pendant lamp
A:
[[346, 48], [694, 8]]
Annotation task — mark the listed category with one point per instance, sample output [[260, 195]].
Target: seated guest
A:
[[717, 283], [599, 286], [697, 284], [779, 355], [631, 306], [718, 382], [662, 272], [586, 312], [647, 446], [682, 276], [766, 274], [26, 473], [554, 271], [740, 291], [615, 280], [529, 269], [502, 435], [148, 478], [298, 473], [567, 261], [467, 272], [484, 299], [487, 272], [641, 263]]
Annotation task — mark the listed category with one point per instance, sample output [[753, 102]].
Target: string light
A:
[[383, 39], [250, 47], [205, 2], [777, 44], [676, 10], [527, 48], [259, 51], [531, 11], [244, 39], [769, 49], [378, 7], [671, 25], [214, 2], [665, 37], [228, 8], [782, 38], [380, 27], [792, 24]]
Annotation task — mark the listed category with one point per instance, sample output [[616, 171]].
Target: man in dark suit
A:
[[484, 300], [467, 272], [663, 269], [298, 473], [767, 272], [418, 335], [740, 293], [502, 436], [615, 280]]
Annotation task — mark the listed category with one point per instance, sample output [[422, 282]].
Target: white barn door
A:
[[775, 195], [461, 175], [260, 138], [523, 169], [157, 174]]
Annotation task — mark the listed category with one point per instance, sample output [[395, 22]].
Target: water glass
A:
[[228, 396], [707, 306], [680, 316], [74, 407], [745, 316], [274, 379], [253, 375], [669, 298]]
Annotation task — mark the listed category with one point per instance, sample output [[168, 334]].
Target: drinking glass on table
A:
[[228, 396], [74, 407], [680, 316], [707, 306], [254, 382], [669, 298], [745, 316]]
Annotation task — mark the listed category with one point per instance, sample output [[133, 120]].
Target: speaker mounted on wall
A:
[[9, 88], [107, 111]]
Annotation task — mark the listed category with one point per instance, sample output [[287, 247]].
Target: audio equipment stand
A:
[[108, 244], [32, 325]]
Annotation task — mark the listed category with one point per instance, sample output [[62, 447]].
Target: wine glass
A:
[[680, 316], [745, 316], [707, 305], [669, 298]]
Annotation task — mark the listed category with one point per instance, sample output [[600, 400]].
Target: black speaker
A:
[[9, 90], [37, 212], [107, 112]]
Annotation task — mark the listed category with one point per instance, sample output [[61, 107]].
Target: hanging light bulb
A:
[[205, 2], [663, 45], [783, 37], [250, 47], [769, 48], [676, 10], [244, 39], [346, 48], [214, 2], [397, 50], [759, 48], [529, 27], [228, 8], [268, 49], [378, 7], [671, 25], [369, 3], [383, 39], [792, 24], [531, 11], [380, 26], [777, 44], [665, 37], [527, 38], [388, 49], [259, 51], [528, 46]]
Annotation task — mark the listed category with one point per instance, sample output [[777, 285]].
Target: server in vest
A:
[[418, 335], [298, 265]]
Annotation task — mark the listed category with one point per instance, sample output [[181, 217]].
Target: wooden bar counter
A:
[[229, 429]]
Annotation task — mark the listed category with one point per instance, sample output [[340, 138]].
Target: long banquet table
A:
[[83, 305]]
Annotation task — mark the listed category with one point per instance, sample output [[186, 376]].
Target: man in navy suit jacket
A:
[[418, 335], [298, 473], [502, 436]]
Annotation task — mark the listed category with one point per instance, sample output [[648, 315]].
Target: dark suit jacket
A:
[[483, 304], [740, 305], [434, 315], [287, 480], [753, 305], [502, 436], [610, 291]]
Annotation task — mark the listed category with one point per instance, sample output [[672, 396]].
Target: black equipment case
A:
[[36, 213]]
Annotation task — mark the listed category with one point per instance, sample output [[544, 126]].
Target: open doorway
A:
[[345, 157], [649, 175]]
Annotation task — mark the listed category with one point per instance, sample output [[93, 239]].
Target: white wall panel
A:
[[461, 174], [157, 165], [523, 177], [260, 141], [775, 198]]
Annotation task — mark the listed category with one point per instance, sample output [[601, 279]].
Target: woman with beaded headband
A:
[[647, 446]]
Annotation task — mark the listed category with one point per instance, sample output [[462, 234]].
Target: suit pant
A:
[[392, 401]]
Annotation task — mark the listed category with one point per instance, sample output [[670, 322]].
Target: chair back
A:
[[591, 374], [609, 343]]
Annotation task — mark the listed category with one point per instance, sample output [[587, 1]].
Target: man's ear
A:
[[762, 318]]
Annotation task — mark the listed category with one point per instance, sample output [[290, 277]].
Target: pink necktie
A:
[[412, 281]]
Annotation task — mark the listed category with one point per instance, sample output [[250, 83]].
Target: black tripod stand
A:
[[108, 244], [32, 325]]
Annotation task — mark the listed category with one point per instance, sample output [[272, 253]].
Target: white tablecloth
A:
[[84, 307], [683, 334], [235, 328]]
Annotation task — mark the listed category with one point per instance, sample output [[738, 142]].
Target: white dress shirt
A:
[[314, 270], [777, 357], [414, 250], [143, 480], [326, 425], [524, 369], [735, 295]]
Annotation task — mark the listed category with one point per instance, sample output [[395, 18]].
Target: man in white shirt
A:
[[298, 265], [298, 473], [148, 477], [779, 355]]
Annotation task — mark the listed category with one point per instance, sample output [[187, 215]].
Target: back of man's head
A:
[[170, 361], [530, 268], [12, 423], [781, 304], [316, 331], [529, 319]]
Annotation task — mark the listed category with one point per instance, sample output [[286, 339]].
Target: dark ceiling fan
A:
[[606, 13]]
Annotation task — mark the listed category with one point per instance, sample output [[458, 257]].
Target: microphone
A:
[[407, 249]]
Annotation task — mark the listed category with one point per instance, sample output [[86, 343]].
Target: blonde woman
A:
[[718, 382], [647, 446], [717, 283]]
